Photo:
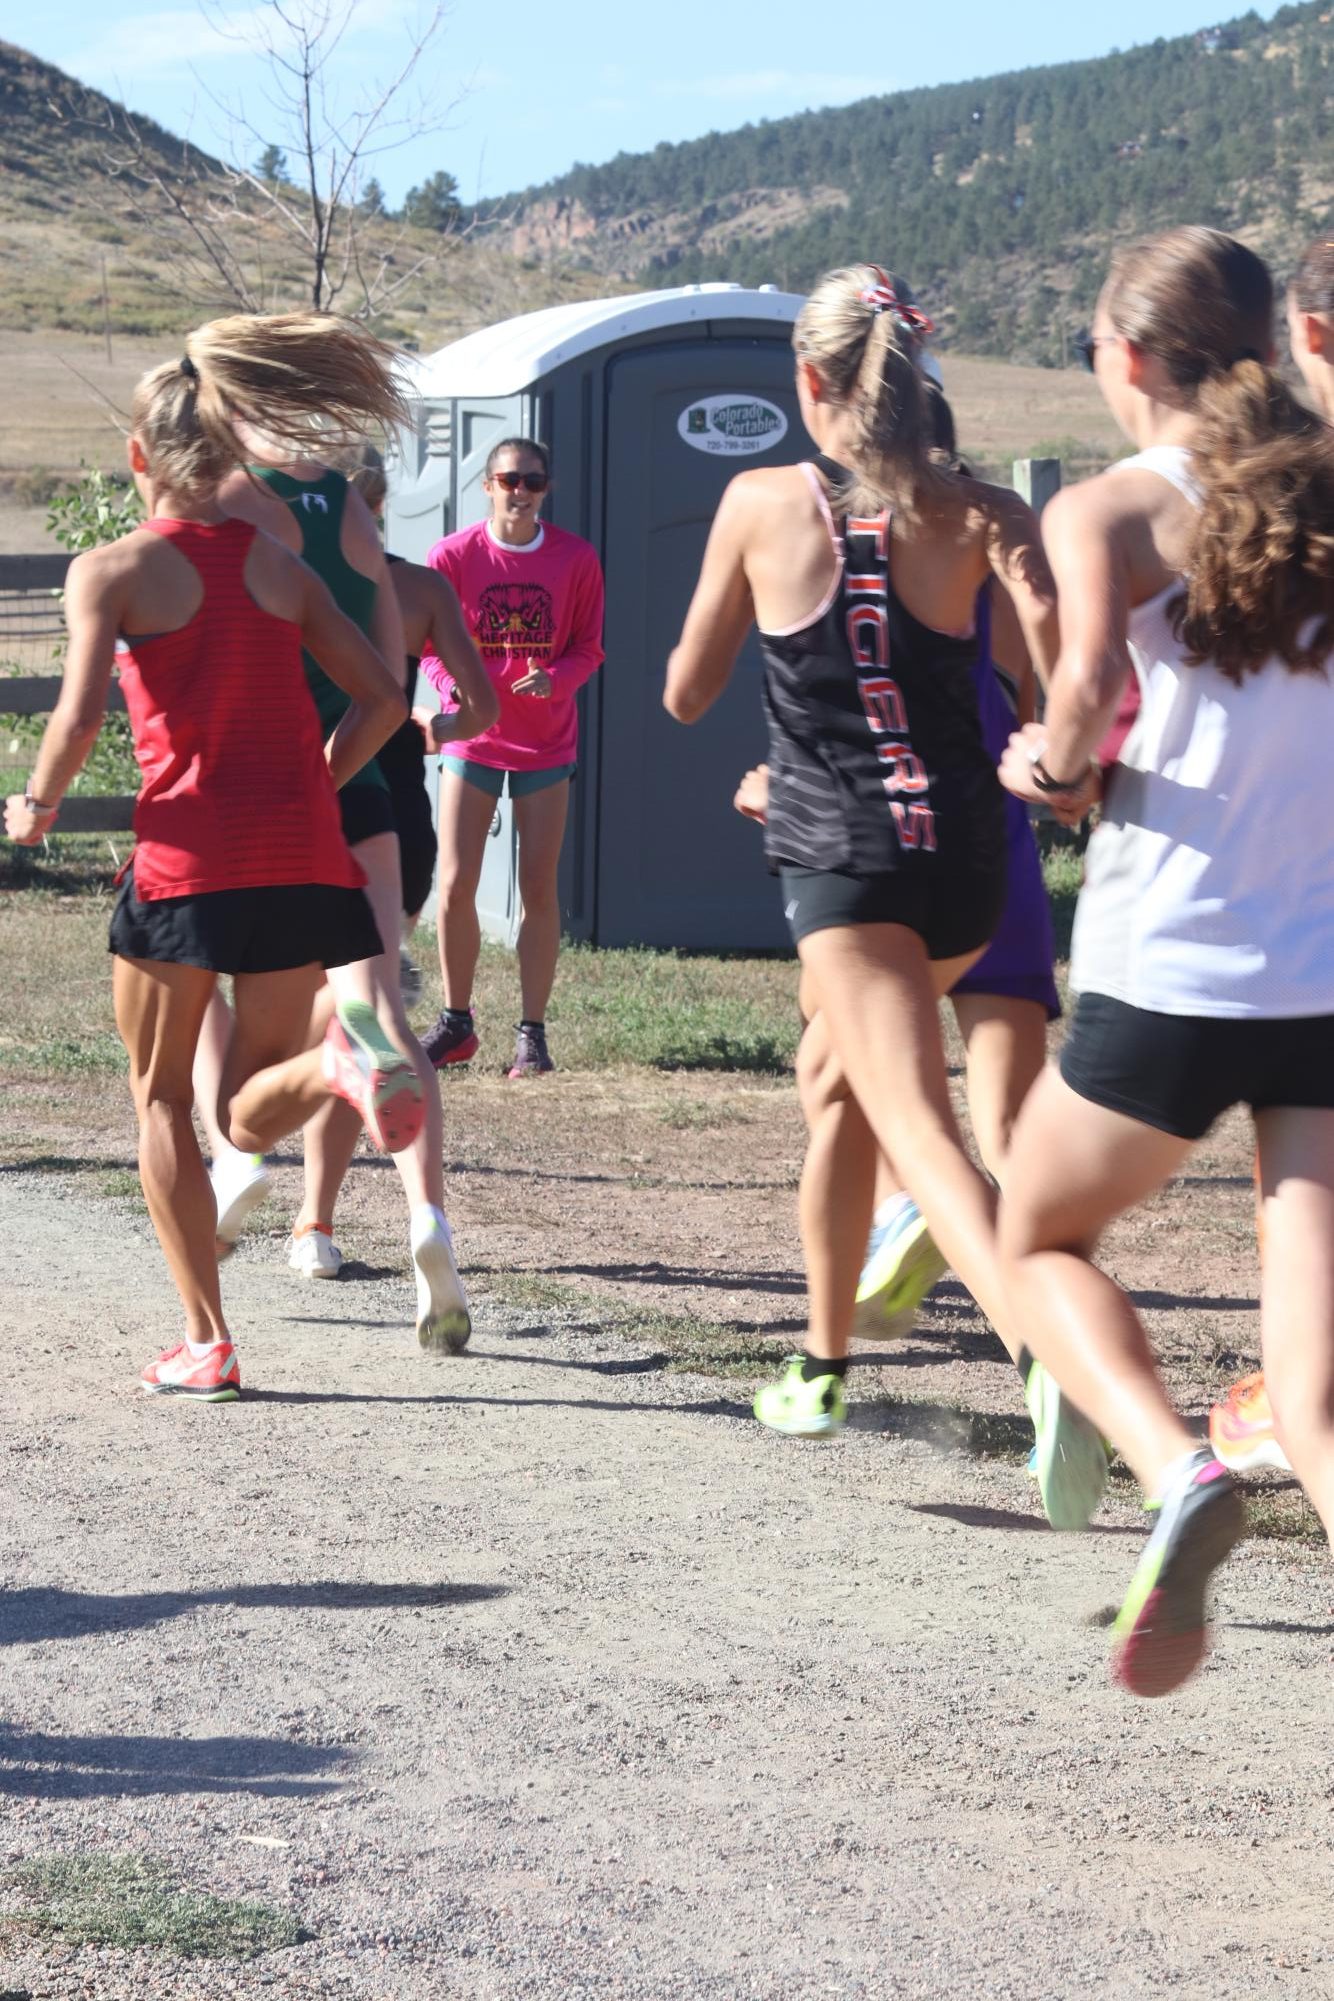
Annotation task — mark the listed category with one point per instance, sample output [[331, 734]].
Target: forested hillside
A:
[[999, 198]]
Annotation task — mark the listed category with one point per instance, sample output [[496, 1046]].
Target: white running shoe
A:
[[241, 1182], [409, 978], [443, 1320], [313, 1252]]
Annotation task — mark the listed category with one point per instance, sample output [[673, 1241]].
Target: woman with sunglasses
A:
[[532, 598], [1204, 939]]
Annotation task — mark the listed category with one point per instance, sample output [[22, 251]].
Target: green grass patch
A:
[[694, 1117], [1063, 873], [643, 1009], [696, 1347], [1282, 1514], [534, 1289], [111, 768], [118, 1184], [133, 1900], [100, 1054], [65, 865], [685, 1344], [676, 1011]]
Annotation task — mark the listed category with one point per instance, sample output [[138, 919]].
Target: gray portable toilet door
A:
[[676, 865]]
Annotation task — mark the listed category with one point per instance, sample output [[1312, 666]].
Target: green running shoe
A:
[[1161, 1632], [1071, 1459], [902, 1264], [802, 1409]]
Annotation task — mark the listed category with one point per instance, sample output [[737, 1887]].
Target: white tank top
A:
[[1209, 887]]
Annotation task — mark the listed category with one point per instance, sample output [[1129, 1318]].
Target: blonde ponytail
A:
[[861, 332], [312, 385]]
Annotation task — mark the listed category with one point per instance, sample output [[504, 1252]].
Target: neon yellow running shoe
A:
[[1070, 1456], [1162, 1632], [902, 1264], [801, 1409]]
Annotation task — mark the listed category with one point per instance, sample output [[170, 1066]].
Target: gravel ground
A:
[[545, 1672]]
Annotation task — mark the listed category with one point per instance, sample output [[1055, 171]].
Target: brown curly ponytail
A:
[[311, 384], [1259, 578]]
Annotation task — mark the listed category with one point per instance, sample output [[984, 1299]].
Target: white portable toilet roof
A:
[[502, 359]]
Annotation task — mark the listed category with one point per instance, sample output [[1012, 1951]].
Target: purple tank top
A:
[[1018, 962]]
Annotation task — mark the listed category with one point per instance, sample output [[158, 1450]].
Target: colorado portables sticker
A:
[[733, 427]]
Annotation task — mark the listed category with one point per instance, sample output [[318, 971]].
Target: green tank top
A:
[[317, 506]]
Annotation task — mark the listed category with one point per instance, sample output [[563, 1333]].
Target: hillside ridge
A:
[[1001, 196]]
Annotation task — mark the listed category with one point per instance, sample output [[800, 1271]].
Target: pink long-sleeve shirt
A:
[[542, 603]]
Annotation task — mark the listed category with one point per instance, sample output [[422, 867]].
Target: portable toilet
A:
[[648, 404]]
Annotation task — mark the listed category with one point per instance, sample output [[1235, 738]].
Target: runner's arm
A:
[[721, 612], [451, 645], [1017, 558], [1083, 532], [352, 664], [93, 608], [1011, 655]]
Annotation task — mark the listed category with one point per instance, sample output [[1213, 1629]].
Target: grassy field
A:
[[65, 400], [656, 1011]]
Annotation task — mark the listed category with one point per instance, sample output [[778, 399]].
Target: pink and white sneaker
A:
[[213, 1378], [362, 1065]]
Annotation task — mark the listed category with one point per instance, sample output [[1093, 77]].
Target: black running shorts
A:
[[365, 810], [1180, 1072], [247, 930], [952, 912], [416, 843]]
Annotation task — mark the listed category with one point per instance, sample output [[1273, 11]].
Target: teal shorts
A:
[[490, 778]]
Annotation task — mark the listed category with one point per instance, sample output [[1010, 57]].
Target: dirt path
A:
[[546, 1673]]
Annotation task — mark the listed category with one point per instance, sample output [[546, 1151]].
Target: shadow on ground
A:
[[27, 1616], [34, 1765], [970, 1517]]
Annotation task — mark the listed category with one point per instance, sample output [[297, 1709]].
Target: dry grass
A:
[[658, 1011], [1004, 411], [50, 420]]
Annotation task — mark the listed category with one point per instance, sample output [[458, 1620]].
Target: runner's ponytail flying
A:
[[311, 384]]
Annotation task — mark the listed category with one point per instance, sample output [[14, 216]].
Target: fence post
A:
[[1037, 480]]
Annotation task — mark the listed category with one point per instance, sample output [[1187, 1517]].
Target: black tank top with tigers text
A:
[[876, 757]]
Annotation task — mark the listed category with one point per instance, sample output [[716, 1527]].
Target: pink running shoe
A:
[[212, 1378], [362, 1065]]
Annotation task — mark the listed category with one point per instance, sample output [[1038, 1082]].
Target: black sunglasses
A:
[[535, 482], [1086, 345]]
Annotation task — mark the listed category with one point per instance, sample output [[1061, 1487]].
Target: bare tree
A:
[[249, 237]]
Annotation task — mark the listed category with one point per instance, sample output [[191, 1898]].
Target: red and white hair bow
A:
[[882, 298]]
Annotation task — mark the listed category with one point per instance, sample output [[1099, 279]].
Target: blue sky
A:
[[516, 93]]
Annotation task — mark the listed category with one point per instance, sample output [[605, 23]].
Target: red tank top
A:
[[236, 792]]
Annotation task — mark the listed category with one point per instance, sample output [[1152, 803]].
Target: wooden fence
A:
[[30, 627], [30, 623]]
